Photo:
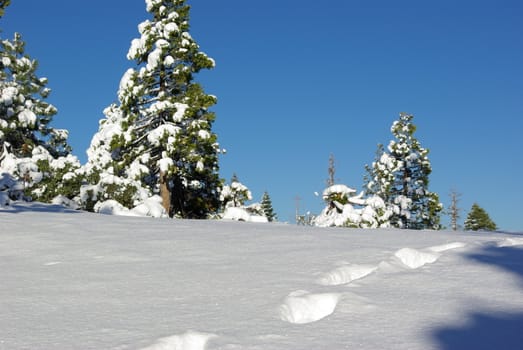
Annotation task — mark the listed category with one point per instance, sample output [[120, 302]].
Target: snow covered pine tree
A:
[[31, 151], [401, 178], [235, 195], [158, 140]]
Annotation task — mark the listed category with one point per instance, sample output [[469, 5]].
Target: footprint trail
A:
[[302, 307], [345, 274]]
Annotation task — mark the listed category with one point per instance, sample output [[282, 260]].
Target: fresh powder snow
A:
[[76, 280]]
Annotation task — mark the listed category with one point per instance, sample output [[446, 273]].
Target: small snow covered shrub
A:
[[346, 210], [233, 198], [235, 194]]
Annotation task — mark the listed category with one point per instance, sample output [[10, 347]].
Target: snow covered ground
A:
[[72, 280]]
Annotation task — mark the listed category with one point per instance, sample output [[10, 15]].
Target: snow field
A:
[[74, 280]]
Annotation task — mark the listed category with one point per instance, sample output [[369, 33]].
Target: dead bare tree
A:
[[454, 210]]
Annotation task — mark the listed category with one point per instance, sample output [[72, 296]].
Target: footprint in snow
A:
[[413, 258], [187, 341], [302, 307], [345, 274]]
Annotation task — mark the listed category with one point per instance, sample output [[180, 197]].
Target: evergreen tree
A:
[[158, 139], [25, 116], [380, 176], [34, 153], [3, 5], [478, 219], [401, 178], [267, 208]]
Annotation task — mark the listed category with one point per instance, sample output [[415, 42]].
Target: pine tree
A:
[[3, 5], [32, 151], [478, 219], [159, 138], [267, 208], [401, 178], [380, 176], [25, 116]]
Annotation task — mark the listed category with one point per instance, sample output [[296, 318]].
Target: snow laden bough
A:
[[40, 177]]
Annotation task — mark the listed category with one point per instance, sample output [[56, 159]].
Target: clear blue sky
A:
[[298, 80]]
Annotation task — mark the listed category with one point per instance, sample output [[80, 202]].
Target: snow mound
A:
[[238, 214], [241, 214], [414, 259], [150, 207], [188, 341], [302, 307], [111, 207], [510, 242], [66, 202], [345, 274], [445, 247]]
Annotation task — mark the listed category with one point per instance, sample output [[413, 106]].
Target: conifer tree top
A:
[[3, 5]]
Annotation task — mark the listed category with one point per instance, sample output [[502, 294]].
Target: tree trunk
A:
[[165, 193], [178, 197]]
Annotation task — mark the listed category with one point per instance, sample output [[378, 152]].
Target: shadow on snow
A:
[[17, 207], [489, 330]]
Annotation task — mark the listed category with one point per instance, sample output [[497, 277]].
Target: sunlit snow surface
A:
[[71, 280]]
